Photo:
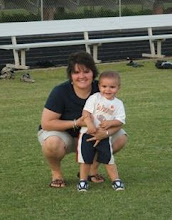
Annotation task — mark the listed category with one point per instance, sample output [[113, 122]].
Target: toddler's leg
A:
[[112, 171], [117, 184], [84, 171]]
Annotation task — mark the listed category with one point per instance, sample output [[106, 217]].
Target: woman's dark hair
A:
[[81, 58]]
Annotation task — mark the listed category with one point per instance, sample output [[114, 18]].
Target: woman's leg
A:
[[119, 143], [55, 145], [54, 151]]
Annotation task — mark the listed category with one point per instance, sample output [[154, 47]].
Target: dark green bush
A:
[[18, 17], [86, 13]]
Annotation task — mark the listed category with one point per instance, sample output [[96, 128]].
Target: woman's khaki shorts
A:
[[70, 142]]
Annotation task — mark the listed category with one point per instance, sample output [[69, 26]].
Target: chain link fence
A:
[[35, 10]]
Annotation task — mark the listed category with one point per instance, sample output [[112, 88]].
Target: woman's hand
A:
[[91, 129], [98, 136], [103, 133]]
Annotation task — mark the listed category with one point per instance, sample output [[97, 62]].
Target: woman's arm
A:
[[51, 121], [103, 133]]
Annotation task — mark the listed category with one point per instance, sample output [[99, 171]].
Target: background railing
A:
[[34, 10]]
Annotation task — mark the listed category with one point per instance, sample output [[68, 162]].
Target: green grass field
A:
[[145, 165]]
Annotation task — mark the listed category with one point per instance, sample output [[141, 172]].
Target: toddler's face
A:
[[108, 87]]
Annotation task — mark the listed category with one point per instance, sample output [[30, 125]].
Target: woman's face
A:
[[82, 77]]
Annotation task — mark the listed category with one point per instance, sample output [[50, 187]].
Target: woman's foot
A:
[[97, 178], [57, 183]]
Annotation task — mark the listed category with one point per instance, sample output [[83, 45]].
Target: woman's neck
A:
[[82, 93]]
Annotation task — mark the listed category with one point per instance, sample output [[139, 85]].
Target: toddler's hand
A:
[[105, 124], [80, 121]]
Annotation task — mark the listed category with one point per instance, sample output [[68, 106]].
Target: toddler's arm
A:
[[110, 123], [89, 122]]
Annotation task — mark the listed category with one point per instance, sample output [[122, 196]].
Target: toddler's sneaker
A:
[[118, 185], [82, 186]]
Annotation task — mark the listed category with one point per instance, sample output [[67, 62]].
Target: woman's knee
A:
[[119, 143], [53, 146]]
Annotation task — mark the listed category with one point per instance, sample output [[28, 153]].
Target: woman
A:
[[61, 117]]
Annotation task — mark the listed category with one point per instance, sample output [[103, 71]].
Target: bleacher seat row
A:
[[86, 26]]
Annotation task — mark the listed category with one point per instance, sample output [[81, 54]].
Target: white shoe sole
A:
[[82, 190]]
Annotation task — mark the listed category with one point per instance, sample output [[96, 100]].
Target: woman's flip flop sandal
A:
[[57, 183], [97, 178]]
